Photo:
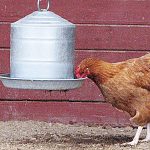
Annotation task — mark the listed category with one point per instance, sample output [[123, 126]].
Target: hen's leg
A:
[[148, 134], [136, 138]]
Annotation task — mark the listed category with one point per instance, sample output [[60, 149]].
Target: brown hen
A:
[[126, 85]]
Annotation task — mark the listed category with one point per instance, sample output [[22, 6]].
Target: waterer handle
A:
[[38, 5]]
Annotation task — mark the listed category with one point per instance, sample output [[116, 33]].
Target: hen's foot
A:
[[145, 140], [135, 139], [132, 143]]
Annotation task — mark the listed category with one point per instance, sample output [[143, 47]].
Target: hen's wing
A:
[[143, 81], [140, 72]]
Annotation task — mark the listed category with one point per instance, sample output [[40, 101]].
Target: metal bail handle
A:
[[39, 8]]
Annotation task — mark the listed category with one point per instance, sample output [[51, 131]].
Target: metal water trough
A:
[[42, 53]]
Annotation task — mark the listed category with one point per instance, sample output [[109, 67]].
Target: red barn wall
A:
[[113, 30]]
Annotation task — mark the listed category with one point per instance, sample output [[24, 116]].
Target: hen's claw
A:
[[132, 143], [145, 140]]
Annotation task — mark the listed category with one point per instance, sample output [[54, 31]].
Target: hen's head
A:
[[84, 68]]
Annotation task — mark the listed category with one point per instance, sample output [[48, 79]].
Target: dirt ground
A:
[[32, 135]]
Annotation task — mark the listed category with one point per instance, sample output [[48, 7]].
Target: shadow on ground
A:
[[77, 139]]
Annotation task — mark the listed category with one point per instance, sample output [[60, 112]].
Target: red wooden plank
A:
[[4, 35], [63, 112], [101, 37], [82, 94], [79, 11], [113, 37]]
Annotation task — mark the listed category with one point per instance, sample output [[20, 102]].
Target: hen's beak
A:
[[78, 76], [77, 72]]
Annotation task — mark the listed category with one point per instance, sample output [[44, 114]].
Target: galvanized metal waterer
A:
[[42, 46], [42, 52]]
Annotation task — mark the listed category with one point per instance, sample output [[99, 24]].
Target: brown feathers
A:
[[126, 85]]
